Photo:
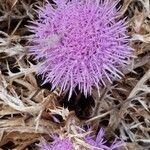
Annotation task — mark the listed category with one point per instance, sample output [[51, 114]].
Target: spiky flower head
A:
[[57, 144], [81, 44], [100, 143], [93, 144]]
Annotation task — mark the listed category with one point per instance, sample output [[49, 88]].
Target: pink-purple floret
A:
[[58, 144], [98, 143], [80, 43]]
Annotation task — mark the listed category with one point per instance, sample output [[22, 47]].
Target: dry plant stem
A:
[[23, 71], [125, 7], [99, 116], [11, 101], [98, 101], [138, 62], [140, 85]]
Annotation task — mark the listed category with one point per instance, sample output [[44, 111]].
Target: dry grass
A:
[[28, 111]]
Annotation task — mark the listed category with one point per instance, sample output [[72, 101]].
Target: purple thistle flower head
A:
[[101, 143], [80, 43], [58, 144]]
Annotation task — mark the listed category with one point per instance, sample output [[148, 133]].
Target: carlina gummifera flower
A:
[[99, 142], [81, 43], [67, 144], [57, 144]]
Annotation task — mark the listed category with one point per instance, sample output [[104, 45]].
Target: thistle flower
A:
[[66, 144], [80, 43], [58, 144], [101, 143]]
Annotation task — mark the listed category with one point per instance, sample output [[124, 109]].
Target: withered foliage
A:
[[30, 111]]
